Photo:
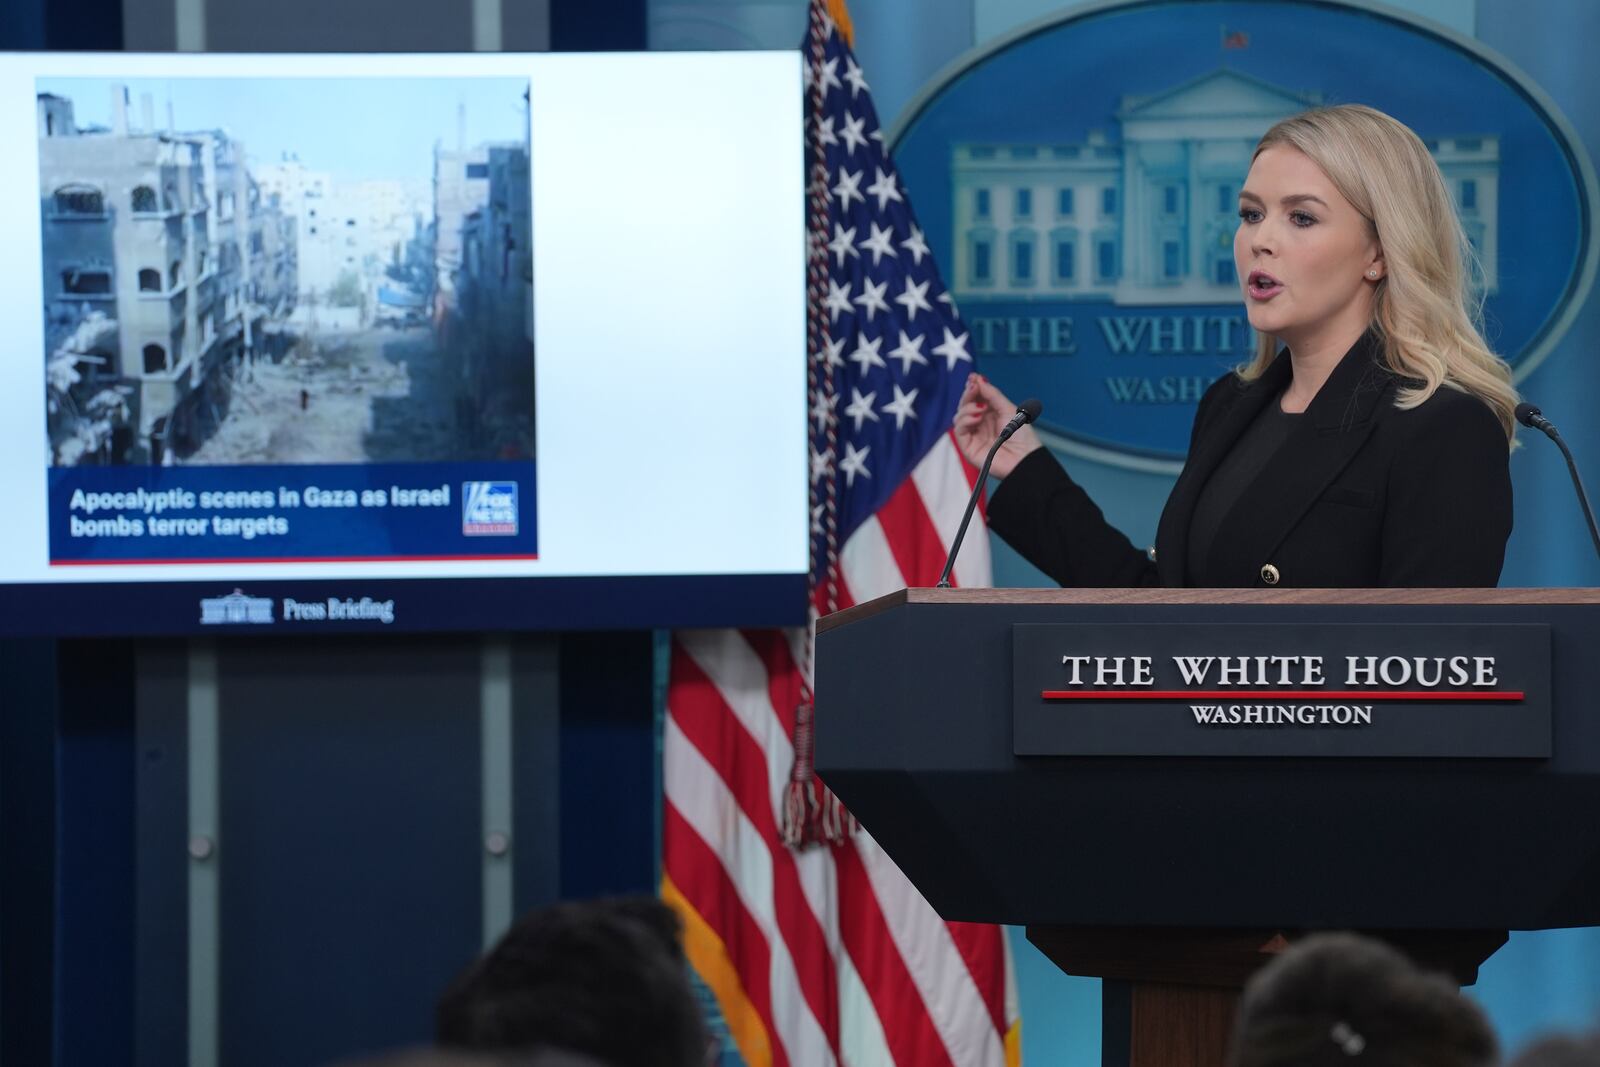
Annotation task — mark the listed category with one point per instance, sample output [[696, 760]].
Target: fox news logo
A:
[[489, 509]]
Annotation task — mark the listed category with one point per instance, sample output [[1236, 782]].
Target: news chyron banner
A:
[[287, 318]]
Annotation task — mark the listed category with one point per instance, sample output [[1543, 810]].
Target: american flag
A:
[[827, 954]]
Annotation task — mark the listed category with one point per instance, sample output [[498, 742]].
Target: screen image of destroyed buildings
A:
[[286, 270]]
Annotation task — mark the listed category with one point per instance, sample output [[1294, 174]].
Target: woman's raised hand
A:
[[982, 414]]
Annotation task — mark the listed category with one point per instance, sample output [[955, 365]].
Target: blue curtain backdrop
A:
[[1540, 981]]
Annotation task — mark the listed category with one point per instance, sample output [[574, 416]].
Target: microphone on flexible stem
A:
[[1027, 411], [1532, 418]]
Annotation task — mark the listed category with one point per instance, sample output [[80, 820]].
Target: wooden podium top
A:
[[1206, 596]]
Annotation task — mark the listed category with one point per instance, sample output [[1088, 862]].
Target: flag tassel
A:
[[812, 815]]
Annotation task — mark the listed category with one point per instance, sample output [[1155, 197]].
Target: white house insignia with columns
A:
[[1148, 219]]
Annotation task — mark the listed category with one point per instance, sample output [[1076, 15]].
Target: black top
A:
[[1362, 494], [1243, 464]]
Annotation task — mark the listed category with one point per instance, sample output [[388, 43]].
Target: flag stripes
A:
[[756, 785], [882, 981], [944, 481], [743, 891]]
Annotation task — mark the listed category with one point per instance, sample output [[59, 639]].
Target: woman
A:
[[1371, 451]]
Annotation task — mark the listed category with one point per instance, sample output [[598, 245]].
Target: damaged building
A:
[[164, 265]]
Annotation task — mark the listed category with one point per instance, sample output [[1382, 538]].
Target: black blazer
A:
[[1362, 494]]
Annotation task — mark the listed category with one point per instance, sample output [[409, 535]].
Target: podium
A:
[[1174, 857]]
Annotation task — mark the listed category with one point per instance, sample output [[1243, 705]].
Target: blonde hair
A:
[[1428, 311]]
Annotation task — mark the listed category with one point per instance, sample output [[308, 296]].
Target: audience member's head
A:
[[605, 979], [1339, 1000], [1561, 1051]]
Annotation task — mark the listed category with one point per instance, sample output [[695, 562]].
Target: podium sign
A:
[[1449, 691]]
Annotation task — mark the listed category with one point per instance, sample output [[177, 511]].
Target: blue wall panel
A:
[[27, 849], [350, 851], [609, 765], [95, 855]]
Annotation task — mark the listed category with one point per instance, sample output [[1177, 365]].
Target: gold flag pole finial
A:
[[841, 15]]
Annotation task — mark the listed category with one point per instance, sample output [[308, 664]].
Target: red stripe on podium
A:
[[1280, 694]]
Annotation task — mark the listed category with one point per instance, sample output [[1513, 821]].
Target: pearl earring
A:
[[1372, 274]]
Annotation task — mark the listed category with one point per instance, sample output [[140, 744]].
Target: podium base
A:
[[1165, 1024]]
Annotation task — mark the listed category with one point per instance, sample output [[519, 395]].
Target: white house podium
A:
[[1167, 786]]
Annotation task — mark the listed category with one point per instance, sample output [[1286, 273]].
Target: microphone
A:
[[1533, 418], [1027, 411]]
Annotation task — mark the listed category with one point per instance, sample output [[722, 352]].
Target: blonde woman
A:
[[1365, 445]]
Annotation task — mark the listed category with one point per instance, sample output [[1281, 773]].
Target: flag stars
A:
[[871, 298], [843, 243], [837, 300], [914, 298], [857, 292], [832, 350], [880, 244], [866, 356], [953, 349], [916, 245], [822, 408], [854, 463], [821, 464], [885, 188], [852, 135], [828, 75], [860, 407], [909, 351], [902, 407], [825, 134], [852, 75], [849, 186]]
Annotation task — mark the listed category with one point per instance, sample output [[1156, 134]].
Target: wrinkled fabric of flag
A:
[[827, 954], [899, 356]]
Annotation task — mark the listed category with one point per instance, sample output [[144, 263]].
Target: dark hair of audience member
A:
[[603, 978], [1561, 1051], [1341, 1000]]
